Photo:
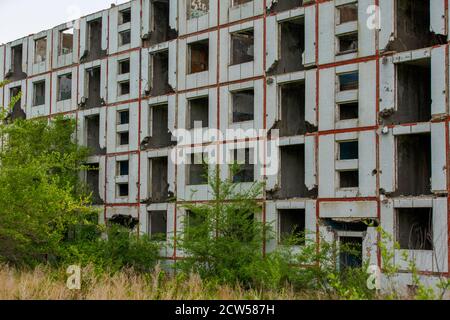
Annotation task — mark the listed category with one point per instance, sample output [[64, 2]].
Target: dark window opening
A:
[[157, 225], [125, 16], [65, 87], [124, 66], [124, 88], [242, 47], [123, 117], [92, 182], [348, 81], [349, 179], [348, 111], [239, 2], [39, 93], [124, 138], [94, 41], [198, 112], [40, 50], [350, 252], [159, 187], [123, 168], [122, 190], [292, 226], [348, 13], [16, 73], [292, 102], [198, 56], [414, 164], [159, 124], [197, 170], [348, 150], [124, 37], [159, 73], [93, 88], [93, 134], [283, 5], [243, 105], [66, 41], [160, 28], [246, 168], [348, 43], [292, 172], [415, 228]]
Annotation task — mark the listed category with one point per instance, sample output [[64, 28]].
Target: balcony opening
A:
[[160, 136], [244, 158], [413, 93], [159, 74], [414, 165], [292, 224], [243, 103], [292, 173], [16, 73], [242, 47], [348, 179], [198, 56], [160, 30], [64, 86], [93, 88], [283, 5], [198, 115], [197, 8], [93, 134], [66, 41], [292, 103], [94, 41], [292, 47], [17, 111], [92, 182], [159, 186], [157, 225], [415, 228], [39, 93], [197, 170]]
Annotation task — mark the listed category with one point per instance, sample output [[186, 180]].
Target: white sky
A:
[[19, 18]]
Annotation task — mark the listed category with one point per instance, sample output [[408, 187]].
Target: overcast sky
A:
[[19, 18]]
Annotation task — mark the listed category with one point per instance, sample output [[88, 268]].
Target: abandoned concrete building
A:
[[362, 111]]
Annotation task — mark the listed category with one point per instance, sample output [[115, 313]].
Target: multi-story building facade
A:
[[357, 89]]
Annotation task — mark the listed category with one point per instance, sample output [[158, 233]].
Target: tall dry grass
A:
[[44, 283]]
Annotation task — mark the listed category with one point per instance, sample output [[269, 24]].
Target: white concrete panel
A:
[[2, 59], [370, 245], [173, 51], [387, 161], [387, 12], [353, 209], [327, 99], [437, 16], [105, 40], [367, 164], [367, 95], [387, 85], [439, 159], [366, 35], [440, 235], [438, 80], [310, 162], [326, 166], [310, 36], [326, 32], [173, 15], [311, 97], [272, 28]]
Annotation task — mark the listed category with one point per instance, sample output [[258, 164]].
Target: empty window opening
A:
[[198, 113], [160, 135], [244, 158], [348, 13], [92, 182], [348, 150], [350, 252], [94, 40], [158, 186], [348, 43], [124, 88], [93, 134], [123, 117], [349, 179], [414, 164], [283, 5], [160, 28], [292, 103], [124, 66], [123, 138], [159, 73], [197, 8], [125, 16], [291, 46], [239, 2], [93, 87], [39, 93], [412, 25], [197, 170], [198, 56], [157, 225], [40, 50], [243, 103], [292, 173], [415, 228], [348, 81], [124, 37], [16, 64], [292, 226], [122, 190], [413, 93], [123, 168], [242, 47], [65, 87], [66, 41], [348, 111]]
